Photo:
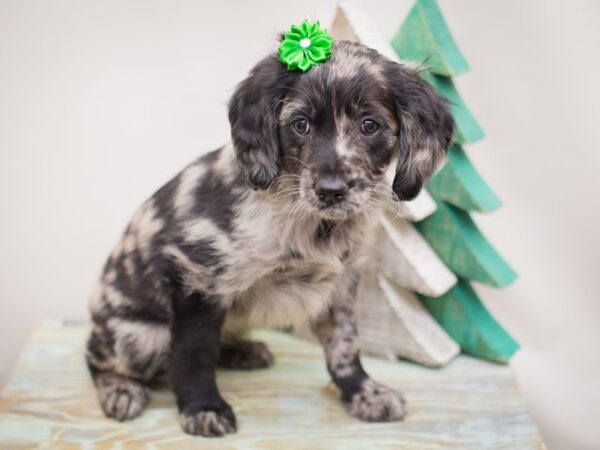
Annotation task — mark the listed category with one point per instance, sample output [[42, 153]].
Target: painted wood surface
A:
[[403, 255], [424, 37], [467, 127], [417, 209], [464, 317], [49, 402], [393, 323], [352, 23], [422, 206], [459, 184], [452, 233]]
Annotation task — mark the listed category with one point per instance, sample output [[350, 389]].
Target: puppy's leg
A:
[[336, 330], [197, 323], [121, 397], [239, 353]]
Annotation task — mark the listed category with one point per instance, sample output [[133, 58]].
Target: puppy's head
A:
[[332, 132]]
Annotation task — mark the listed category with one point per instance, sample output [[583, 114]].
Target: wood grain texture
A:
[[352, 23], [417, 209], [404, 256], [459, 184], [467, 127], [464, 317], [424, 37], [49, 402], [393, 323], [452, 233]]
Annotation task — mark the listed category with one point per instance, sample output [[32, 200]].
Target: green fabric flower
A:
[[305, 46]]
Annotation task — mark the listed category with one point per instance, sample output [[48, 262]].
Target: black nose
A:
[[331, 190]]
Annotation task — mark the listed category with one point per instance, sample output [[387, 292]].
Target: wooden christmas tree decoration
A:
[[466, 320], [467, 128], [424, 37], [415, 210], [459, 184], [448, 247], [403, 255], [459, 243], [393, 323], [402, 260], [457, 189]]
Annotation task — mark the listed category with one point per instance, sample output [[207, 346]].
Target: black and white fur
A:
[[269, 230]]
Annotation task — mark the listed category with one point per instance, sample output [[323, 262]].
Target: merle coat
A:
[[269, 230]]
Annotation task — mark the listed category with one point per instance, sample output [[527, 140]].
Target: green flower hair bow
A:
[[305, 46]]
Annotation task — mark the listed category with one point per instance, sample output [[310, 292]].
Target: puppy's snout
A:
[[331, 190]]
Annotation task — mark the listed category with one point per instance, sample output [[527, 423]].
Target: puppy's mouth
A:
[[336, 212], [332, 199]]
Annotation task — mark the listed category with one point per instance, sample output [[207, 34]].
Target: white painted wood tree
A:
[[408, 279], [392, 321]]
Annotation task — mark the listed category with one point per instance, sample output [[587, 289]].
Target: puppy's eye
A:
[[369, 127], [301, 126]]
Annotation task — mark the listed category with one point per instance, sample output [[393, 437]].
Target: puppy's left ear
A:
[[426, 128], [253, 111]]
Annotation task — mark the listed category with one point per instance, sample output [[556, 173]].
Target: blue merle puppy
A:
[[267, 231]]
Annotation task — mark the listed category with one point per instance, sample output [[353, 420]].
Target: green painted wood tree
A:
[[458, 191]]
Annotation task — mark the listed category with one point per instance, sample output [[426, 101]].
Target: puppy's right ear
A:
[[253, 111], [426, 129]]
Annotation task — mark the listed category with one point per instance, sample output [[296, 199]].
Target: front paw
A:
[[377, 403], [209, 422]]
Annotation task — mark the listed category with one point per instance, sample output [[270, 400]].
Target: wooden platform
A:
[[50, 402]]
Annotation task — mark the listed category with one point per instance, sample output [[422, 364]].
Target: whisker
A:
[[300, 161]]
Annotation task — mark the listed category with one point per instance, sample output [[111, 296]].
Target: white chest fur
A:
[[282, 273]]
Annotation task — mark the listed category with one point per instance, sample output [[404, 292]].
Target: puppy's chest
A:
[[293, 269], [306, 271], [296, 286]]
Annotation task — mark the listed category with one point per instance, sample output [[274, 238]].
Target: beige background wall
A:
[[101, 102]]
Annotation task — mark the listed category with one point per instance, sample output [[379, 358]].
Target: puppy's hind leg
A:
[[245, 355], [120, 359], [120, 397]]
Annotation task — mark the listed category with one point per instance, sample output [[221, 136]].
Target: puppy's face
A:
[[324, 138], [337, 133]]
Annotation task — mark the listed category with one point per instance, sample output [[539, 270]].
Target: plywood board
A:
[[459, 184], [352, 23], [453, 235], [392, 323], [467, 127], [404, 256], [417, 209], [424, 37], [50, 402], [464, 317]]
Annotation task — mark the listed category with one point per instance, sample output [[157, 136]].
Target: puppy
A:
[[267, 231]]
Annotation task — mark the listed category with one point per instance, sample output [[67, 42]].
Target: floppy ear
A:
[[426, 128], [253, 111]]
